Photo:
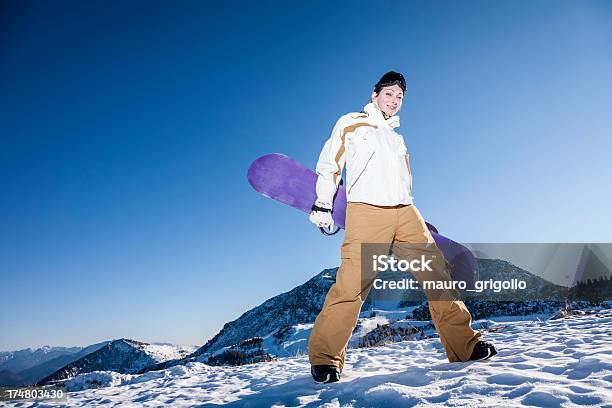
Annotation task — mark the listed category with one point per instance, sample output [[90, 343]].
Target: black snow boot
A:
[[483, 350], [325, 373]]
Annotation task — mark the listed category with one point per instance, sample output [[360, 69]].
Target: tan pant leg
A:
[[338, 317], [449, 314]]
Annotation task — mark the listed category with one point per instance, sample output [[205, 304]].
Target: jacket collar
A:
[[375, 113]]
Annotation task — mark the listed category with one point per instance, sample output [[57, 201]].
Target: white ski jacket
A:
[[376, 158]]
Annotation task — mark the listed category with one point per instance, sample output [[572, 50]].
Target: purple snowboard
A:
[[283, 179]]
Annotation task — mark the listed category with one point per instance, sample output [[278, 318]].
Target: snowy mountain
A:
[[28, 366], [559, 361], [19, 360], [122, 356]]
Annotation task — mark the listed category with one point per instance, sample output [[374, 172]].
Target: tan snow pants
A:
[[366, 223]]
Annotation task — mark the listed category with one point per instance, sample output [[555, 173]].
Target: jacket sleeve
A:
[[330, 164]]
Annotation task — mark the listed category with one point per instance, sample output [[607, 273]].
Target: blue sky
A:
[[127, 131]]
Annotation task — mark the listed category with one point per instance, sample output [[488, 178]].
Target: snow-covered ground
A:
[[565, 362]]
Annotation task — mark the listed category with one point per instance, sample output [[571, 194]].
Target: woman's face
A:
[[389, 99]]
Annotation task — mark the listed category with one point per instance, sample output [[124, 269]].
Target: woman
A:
[[380, 210]]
